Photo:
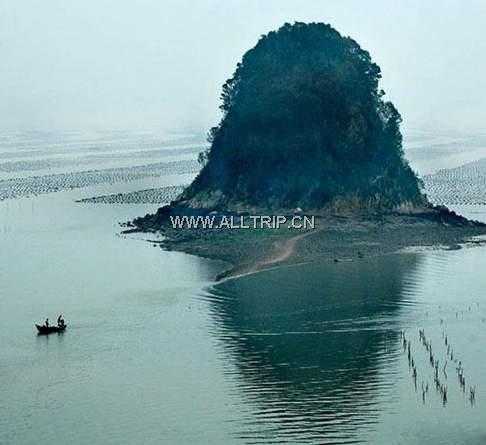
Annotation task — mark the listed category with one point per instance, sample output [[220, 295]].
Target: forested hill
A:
[[305, 125]]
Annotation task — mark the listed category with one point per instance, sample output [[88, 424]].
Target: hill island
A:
[[306, 129]]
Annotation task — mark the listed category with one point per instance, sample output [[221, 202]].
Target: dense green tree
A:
[[304, 123]]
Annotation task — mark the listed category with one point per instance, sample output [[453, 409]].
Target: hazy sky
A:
[[144, 63]]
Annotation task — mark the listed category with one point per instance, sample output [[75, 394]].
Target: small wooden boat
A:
[[44, 330]]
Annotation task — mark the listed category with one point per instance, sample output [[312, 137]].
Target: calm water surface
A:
[[155, 353]]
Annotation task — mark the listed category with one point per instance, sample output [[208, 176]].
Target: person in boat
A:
[[46, 323], [60, 321]]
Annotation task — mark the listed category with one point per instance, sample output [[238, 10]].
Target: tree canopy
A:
[[303, 124]]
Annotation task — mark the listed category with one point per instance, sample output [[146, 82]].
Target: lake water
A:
[[155, 353]]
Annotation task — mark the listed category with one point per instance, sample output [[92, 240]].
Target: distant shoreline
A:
[[336, 238]]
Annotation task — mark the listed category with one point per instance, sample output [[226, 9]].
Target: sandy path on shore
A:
[[284, 253]]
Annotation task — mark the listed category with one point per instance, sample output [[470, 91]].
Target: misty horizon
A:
[[162, 64]]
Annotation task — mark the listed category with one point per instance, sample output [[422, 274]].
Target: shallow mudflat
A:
[[159, 195], [156, 352], [36, 185], [464, 185], [334, 238]]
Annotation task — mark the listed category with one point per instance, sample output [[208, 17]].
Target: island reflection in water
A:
[[310, 344]]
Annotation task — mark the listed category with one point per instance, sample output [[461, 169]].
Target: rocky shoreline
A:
[[335, 237]]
